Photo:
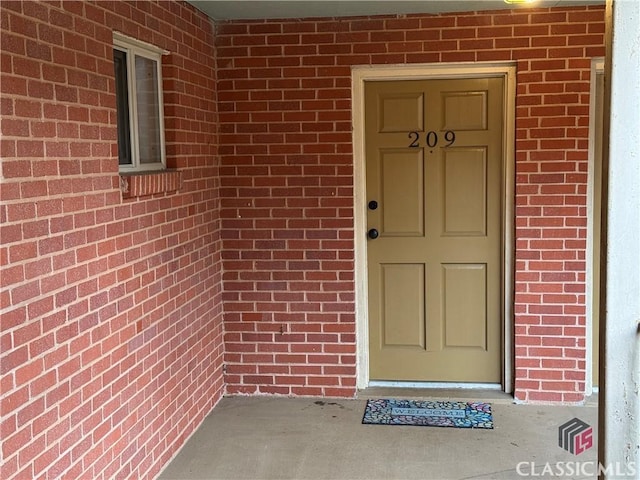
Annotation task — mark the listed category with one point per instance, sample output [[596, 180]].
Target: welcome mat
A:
[[428, 413]]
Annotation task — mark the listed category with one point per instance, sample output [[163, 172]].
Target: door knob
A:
[[373, 205], [373, 234]]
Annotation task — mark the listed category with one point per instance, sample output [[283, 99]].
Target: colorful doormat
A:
[[428, 413]]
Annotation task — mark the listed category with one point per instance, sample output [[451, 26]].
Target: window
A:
[[139, 105]]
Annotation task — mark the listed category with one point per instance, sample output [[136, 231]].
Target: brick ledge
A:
[[149, 183]]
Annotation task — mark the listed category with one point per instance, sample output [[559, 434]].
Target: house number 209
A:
[[431, 139]]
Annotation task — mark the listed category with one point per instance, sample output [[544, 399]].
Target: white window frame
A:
[[133, 48]]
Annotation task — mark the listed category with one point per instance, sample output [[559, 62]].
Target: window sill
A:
[[142, 184]]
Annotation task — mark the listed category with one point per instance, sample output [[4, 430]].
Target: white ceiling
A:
[[263, 9]]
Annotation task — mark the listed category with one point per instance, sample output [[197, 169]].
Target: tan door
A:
[[434, 160]]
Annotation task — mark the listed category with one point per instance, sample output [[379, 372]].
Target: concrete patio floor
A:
[[311, 438]]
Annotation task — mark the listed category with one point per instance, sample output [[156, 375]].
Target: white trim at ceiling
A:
[[269, 9]]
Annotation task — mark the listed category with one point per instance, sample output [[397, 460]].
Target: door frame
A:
[[362, 74], [597, 66]]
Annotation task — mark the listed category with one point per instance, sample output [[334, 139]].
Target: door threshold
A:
[[436, 385], [490, 392]]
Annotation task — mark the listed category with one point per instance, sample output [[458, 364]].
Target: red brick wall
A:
[[111, 307], [287, 187]]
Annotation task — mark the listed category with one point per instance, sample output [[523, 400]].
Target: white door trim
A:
[[360, 75], [597, 66]]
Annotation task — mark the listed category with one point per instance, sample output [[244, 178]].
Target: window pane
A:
[[148, 110], [122, 106]]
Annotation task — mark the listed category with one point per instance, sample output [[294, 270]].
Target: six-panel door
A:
[[434, 157]]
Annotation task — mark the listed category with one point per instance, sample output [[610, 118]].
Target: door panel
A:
[[434, 165], [401, 112], [402, 192], [465, 191], [465, 305], [403, 305], [464, 111]]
